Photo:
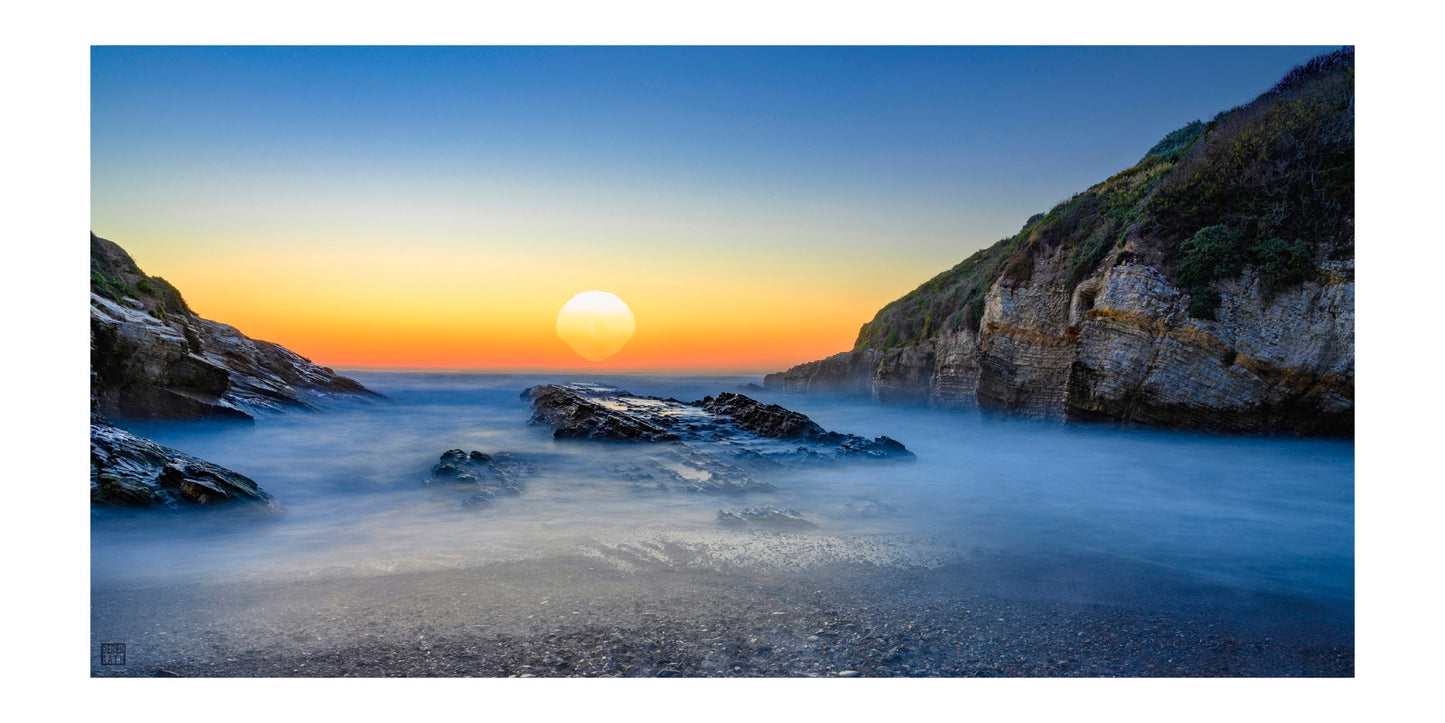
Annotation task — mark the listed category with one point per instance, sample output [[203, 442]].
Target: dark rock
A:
[[719, 445], [487, 476], [855, 447], [577, 411], [772, 420], [767, 420], [743, 427], [151, 357], [131, 471]]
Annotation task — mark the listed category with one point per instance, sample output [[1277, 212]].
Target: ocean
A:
[[1256, 535]]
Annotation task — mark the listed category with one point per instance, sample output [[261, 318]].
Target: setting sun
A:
[[595, 324]]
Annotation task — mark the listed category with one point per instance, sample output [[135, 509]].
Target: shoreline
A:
[[565, 618]]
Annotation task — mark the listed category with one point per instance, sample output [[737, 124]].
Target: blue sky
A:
[[953, 147], [753, 204]]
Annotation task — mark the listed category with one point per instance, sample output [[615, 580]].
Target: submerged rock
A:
[[764, 517], [869, 507], [486, 476], [131, 471], [690, 470]]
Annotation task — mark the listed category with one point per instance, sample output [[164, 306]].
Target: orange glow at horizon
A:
[[453, 308]]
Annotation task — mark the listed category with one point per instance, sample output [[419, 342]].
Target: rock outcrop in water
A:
[[723, 445], [484, 476], [746, 427], [1211, 286], [767, 420], [152, 358], [578, 411], [131, 471]]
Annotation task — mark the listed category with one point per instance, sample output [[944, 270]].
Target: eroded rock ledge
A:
[[1123, 349], [152, 358], [741, 424], [131, 471]]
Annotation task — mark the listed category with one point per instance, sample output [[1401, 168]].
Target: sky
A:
[[435, 207]]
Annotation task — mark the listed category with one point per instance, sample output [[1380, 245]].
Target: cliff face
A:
[[1211, 286], [151, 357]]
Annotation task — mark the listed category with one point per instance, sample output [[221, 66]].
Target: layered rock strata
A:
[[152, 358], [741, 424], [724, 445], [1208, 286], [131, 471], [1122, 347]]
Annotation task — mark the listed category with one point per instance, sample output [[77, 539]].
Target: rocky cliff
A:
[[1210, 286], [151, 357]]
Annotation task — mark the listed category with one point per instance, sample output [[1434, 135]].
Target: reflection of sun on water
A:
[[595, 324]]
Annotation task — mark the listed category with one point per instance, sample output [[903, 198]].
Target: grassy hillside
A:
[[1269, 184]]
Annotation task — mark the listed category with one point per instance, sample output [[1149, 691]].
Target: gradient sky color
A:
[[424, 207]]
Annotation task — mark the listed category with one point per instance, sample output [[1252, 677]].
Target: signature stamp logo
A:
[[112, 653]]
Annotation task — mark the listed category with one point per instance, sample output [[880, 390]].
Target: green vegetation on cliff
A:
[[1268, 185], [115, 276], [1272, 186], [953, 298]]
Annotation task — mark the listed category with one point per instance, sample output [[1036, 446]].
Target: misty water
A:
[[1242, 518]]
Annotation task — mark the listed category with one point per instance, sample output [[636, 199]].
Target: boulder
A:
[[485, 476], [686, 469], [131, 471]]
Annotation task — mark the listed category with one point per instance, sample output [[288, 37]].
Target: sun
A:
[[595, 324]]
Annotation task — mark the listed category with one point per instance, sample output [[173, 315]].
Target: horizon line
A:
[[548, 370]]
